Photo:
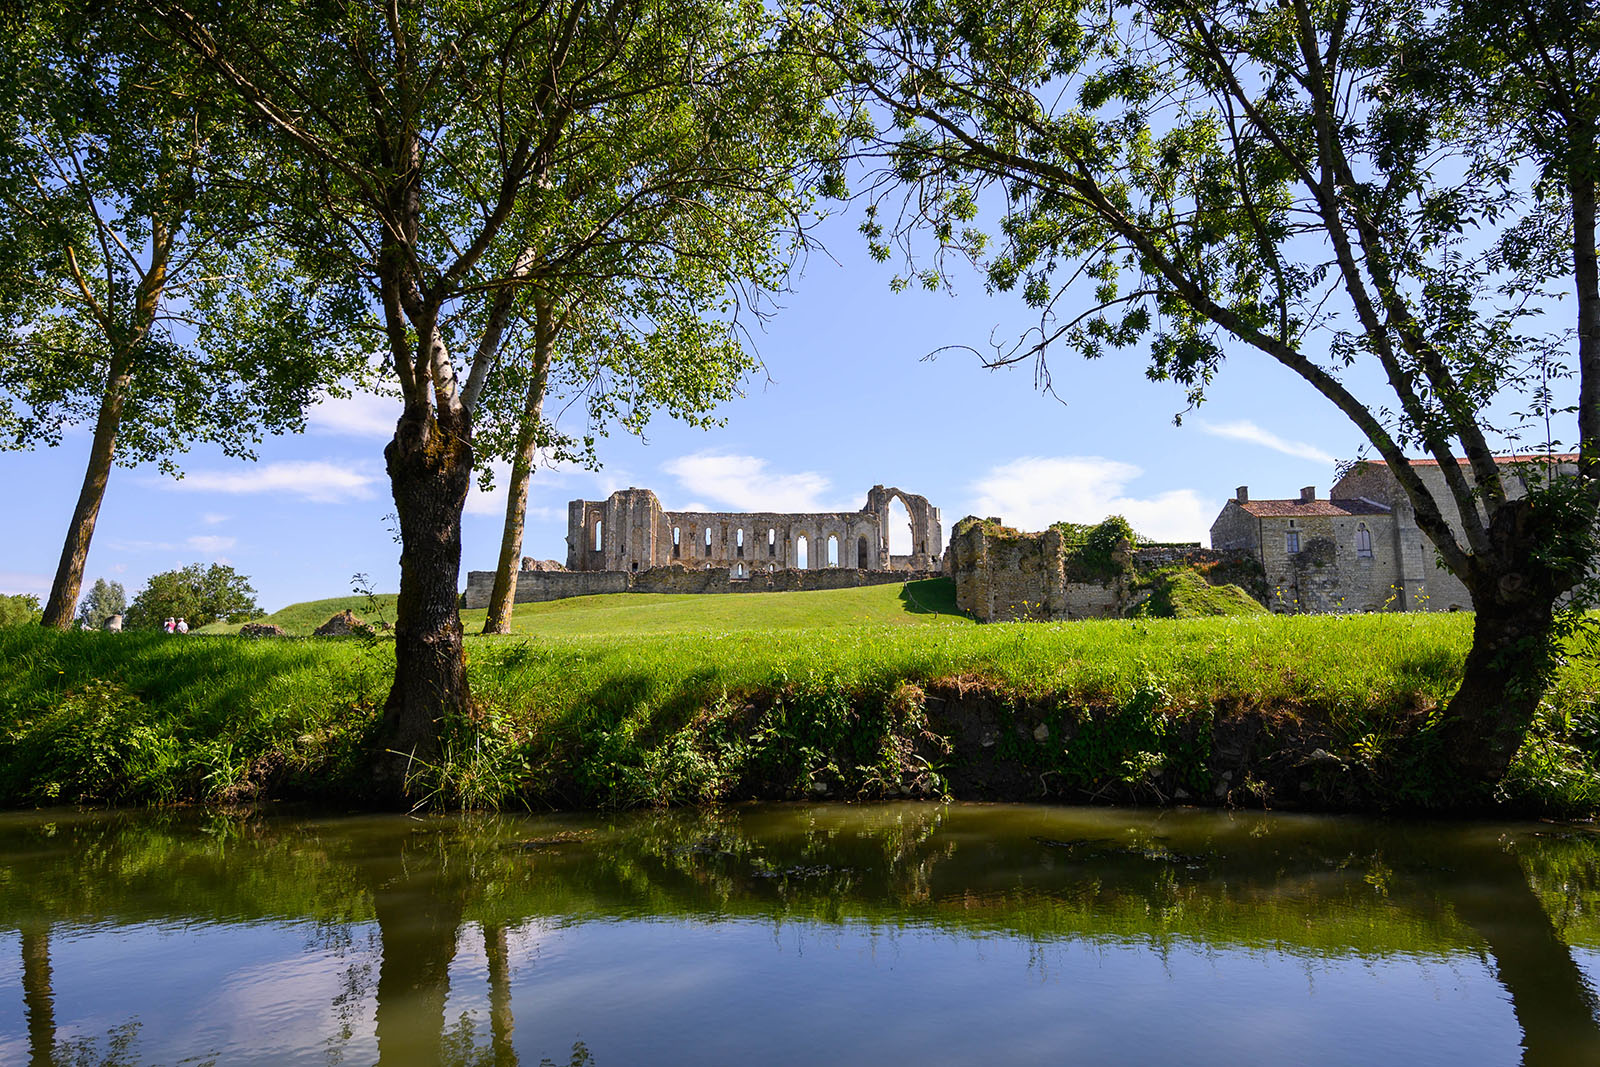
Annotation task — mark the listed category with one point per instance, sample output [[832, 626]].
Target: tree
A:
[[104, 600], [430, 145], [140, 290], [18, 609], [1184, 177], [197, 593]]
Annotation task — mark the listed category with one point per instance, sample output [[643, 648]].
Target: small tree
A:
[[141, 288], [198, 593], [104, 600], [18, 609]]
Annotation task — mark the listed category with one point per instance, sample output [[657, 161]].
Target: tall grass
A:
[[567, 719]]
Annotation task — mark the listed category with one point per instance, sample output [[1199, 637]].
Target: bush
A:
[[19, 609], [97, 743]]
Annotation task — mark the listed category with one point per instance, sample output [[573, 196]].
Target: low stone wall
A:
[[538, 586]]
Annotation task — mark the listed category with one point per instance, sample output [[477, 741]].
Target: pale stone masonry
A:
[[629, 543], [630, 532], [1360, 549]]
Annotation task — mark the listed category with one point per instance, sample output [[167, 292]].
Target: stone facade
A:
[[1358, 550], [628, 544], [630, 532], [1005, 575]]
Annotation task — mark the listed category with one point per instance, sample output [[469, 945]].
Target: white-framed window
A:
[[1363, 542], [1291, 542]]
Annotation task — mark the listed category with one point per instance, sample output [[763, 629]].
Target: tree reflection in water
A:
[[1039, 875]]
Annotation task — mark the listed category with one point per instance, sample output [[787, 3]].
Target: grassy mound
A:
[[1181, 593]]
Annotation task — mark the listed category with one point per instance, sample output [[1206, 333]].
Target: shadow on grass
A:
[[930, 596]]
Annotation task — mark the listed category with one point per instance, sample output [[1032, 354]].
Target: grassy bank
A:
[[617, 701]]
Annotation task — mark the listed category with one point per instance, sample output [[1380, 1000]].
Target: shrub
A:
[[97, 743], [19, 609]]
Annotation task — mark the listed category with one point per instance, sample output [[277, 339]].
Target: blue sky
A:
[[847, 401]]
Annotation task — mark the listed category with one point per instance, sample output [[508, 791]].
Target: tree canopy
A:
[[1384, 197], [198, 593]]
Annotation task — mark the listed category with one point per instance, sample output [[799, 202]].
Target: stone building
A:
[[1360, 549], [628, 544], [630, 532]]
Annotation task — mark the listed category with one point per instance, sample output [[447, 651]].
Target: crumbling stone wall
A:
[[630, 532], [1003, 574], [539, 586]]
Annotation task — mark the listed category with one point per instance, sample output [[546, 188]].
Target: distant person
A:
[[171, 625], [183, 626]]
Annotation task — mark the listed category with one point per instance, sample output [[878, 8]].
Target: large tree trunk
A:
[[63, 602], [430, 470], [1502, 683], [1537, 554], [504, 594]]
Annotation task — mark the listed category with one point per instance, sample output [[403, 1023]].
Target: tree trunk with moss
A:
[[430, 469]]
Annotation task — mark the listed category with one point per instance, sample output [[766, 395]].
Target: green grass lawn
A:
[[634, 698], [922, 603]]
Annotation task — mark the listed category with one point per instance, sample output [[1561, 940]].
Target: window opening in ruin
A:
[[677, 541], [636, 566], [897, 521], [708, 542], [833, 551], [861, 553], [801, 557], [1363, 542], [599, 541], [772, 543], [738, 570], [738, 540], [1291, 542]]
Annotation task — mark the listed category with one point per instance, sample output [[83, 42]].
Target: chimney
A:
[[1242, 494], [1308, 495]]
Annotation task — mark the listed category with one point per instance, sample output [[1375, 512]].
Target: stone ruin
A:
[[629, 543]]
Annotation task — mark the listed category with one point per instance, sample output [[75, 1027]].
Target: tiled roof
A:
[[1267, 509], [1530, 457]]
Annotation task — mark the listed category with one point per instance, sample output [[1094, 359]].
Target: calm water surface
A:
[[902, 934]]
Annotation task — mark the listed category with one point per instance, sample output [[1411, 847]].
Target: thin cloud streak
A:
[[1248, 432], [318, 481]]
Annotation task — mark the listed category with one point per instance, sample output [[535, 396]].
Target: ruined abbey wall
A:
[[538, 586], [630, 532]]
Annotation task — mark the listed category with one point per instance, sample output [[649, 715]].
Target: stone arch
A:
[[802, 551], [708, 541], [677, 542], [833, 550], [738, 541], [861, 553]]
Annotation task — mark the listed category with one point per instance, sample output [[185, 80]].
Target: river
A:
[[878, 935]]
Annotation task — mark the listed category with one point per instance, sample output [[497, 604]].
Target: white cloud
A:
[[319, 481], [741, 483], [207, 543], [211, 518], [356, 415], [1250, 433], [1032, 492], [13, 582]]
